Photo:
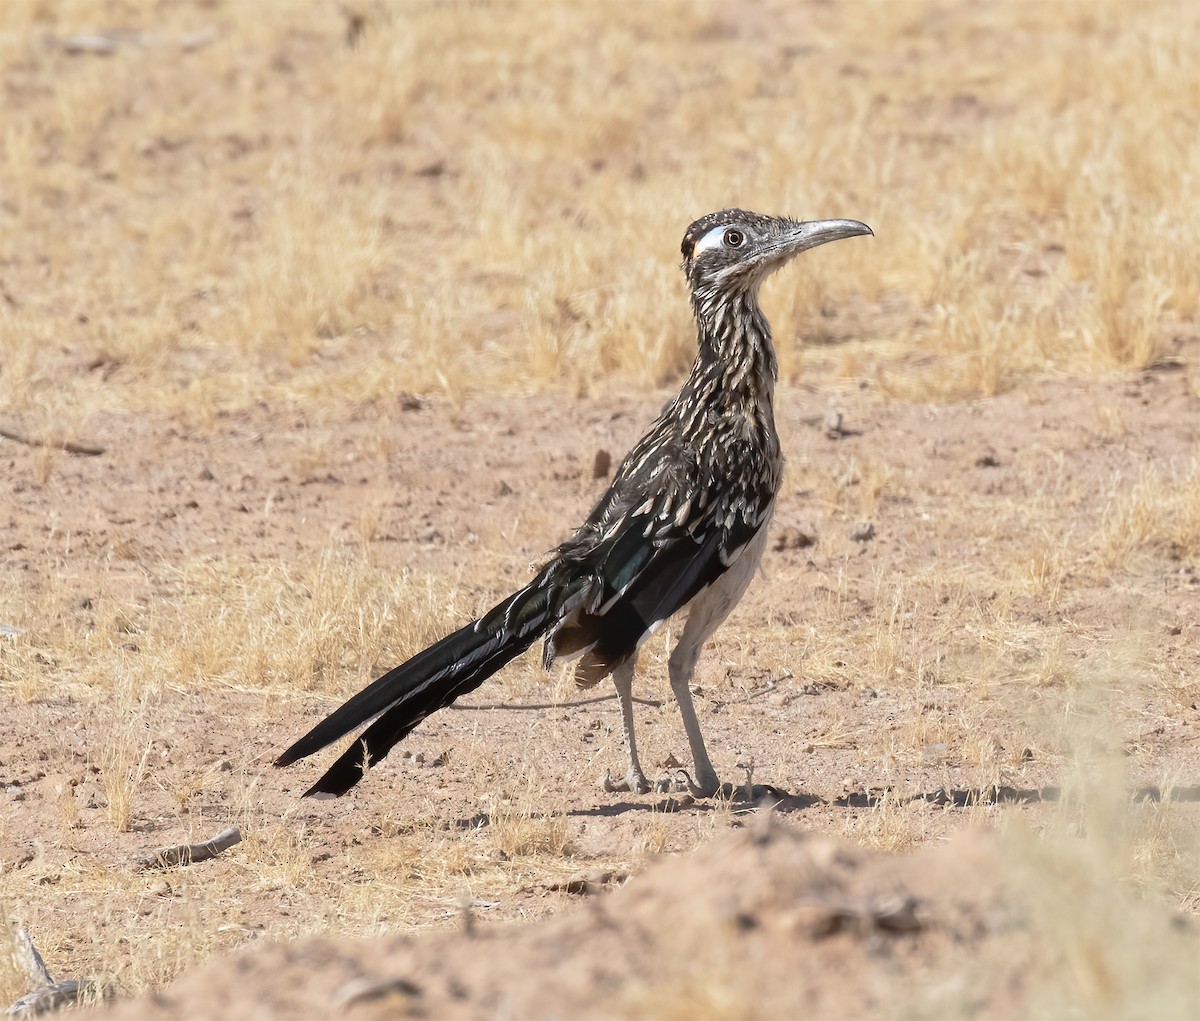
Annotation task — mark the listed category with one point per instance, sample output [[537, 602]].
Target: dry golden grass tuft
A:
[[522, 831], [123, 760], [1160, 511]]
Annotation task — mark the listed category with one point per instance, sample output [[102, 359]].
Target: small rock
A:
[[89, 796], [864, 531], [896, 913], [589, 882], [368, 990], [794, 538], [602, 465], [832, 424]]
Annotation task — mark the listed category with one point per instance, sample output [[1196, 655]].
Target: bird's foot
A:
[[706, 785], [753, 794], [634, 782]]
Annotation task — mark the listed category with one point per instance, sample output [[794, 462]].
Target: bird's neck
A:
[[735, 361]]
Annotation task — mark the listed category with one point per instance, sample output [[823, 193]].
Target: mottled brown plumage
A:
[[682, 524]]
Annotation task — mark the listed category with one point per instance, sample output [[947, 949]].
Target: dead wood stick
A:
[[31, 961], [187, 854], [45, 999], [555, 705], [47, 994], [104, 43], [771, 684], [87, 449]]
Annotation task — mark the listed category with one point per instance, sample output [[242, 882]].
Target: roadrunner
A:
[[682, 525]]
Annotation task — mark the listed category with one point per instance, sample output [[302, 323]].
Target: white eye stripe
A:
[[715, 238]]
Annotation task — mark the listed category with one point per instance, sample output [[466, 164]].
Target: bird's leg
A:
[[622, 677], [682, 666]]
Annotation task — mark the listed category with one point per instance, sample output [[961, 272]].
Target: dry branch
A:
[[86, 449], [31, 961], [187, 854], [105, 43], [47, 994], [45, 999], [555, 705], [771, 684]]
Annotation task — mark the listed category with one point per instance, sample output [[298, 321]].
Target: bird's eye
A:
[[734, 238]]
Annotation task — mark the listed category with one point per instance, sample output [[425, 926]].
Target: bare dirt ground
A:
[[878, 730], [764, 922]]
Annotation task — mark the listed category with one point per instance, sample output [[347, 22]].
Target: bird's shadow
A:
[[784, 802], [950, 797], [1003, 794], [780, 801]]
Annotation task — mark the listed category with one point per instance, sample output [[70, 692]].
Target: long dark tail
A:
[[430, 681]]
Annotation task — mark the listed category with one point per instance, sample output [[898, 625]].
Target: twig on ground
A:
[[105, 43], [45, 999], [86, 449], [47, 994], [31, 961], [187, 854], [766, 689], [555, 705]]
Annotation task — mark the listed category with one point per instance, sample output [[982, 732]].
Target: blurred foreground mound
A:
[[764, 921]]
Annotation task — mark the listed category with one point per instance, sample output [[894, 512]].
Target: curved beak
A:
[[802, 236], [816, 232]]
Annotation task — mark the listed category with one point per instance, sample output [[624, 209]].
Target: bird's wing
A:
[[648, 562]]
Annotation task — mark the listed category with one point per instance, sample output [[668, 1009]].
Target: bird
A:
[[682, 525]]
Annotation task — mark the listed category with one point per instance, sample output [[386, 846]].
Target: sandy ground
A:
[[859, 743], [797, 923]]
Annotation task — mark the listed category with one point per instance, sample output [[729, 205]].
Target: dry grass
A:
[[485, 199], [228, 621], [123, 760], [1158, 512], [224, 249]]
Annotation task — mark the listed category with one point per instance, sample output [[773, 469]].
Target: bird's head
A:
[[734, 251]]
